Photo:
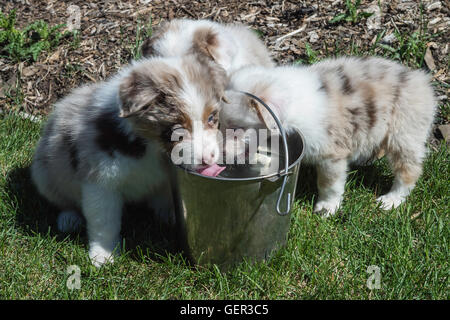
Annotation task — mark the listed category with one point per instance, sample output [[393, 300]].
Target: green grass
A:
[[28, 43], [408, 48], [143, 31], [352, 13], [311, 56], [323, 259]]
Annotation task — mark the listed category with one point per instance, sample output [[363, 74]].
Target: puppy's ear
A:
[[205, 48], [137, 91], [144, 92], [263, 114], [225, 99], [206, 43]]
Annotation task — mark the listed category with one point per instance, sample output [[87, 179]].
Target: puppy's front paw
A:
[[327, 208], [390, 201], [99, 256]]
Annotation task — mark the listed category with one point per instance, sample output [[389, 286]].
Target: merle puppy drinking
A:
[[106, 144]]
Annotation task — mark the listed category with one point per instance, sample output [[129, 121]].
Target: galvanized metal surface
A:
[[225, 220]]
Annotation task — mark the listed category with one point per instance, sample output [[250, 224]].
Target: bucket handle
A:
[[286, 166]]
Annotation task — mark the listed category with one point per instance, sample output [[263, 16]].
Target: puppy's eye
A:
[[212, 119]]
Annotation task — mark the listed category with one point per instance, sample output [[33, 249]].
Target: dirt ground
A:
[[108, 33]]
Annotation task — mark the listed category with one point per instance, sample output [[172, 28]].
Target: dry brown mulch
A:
[[108, 33]]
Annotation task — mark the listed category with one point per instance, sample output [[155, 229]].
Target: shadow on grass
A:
[[142, 231], [373, 177], [144, 234], [376, 177]]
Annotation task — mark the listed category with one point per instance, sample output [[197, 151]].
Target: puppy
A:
[[350, 110], [109, 143], [233, 46]]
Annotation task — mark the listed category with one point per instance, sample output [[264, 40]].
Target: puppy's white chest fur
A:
[[136, 178]]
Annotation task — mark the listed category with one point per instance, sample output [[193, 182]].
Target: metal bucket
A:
[[226, 220]]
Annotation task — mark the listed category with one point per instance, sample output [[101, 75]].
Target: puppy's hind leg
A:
[[407, 167], [68, 220], [102, 209], [331, 177]]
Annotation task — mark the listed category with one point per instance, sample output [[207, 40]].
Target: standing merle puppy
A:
[[106, 144], [350, 110]]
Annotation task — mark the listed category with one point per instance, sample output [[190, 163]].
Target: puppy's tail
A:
[[69, 221]]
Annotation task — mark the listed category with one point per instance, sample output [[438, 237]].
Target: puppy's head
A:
[[243, 111], [244, 120], [180, 37], [176, 101]]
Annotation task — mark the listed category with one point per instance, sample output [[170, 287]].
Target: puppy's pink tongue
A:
[[211, 171]]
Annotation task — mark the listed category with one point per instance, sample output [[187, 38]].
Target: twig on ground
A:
[[279, 40]]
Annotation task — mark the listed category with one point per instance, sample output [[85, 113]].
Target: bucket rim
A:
[[268, 176]]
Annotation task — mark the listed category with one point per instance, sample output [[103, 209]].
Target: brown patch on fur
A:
[[381, 150], [341, 143], [409, 177], [346, 84], [254, 105], [209, 76], [355, 126], [172, 80], [355, 113], [149, 96], [324, 85], [205, 41], [324, 181], [329, 130], [404, 167], [381, 153], [408, 174], [147, 87], [402, 78], [369, 105], [187, 123]]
